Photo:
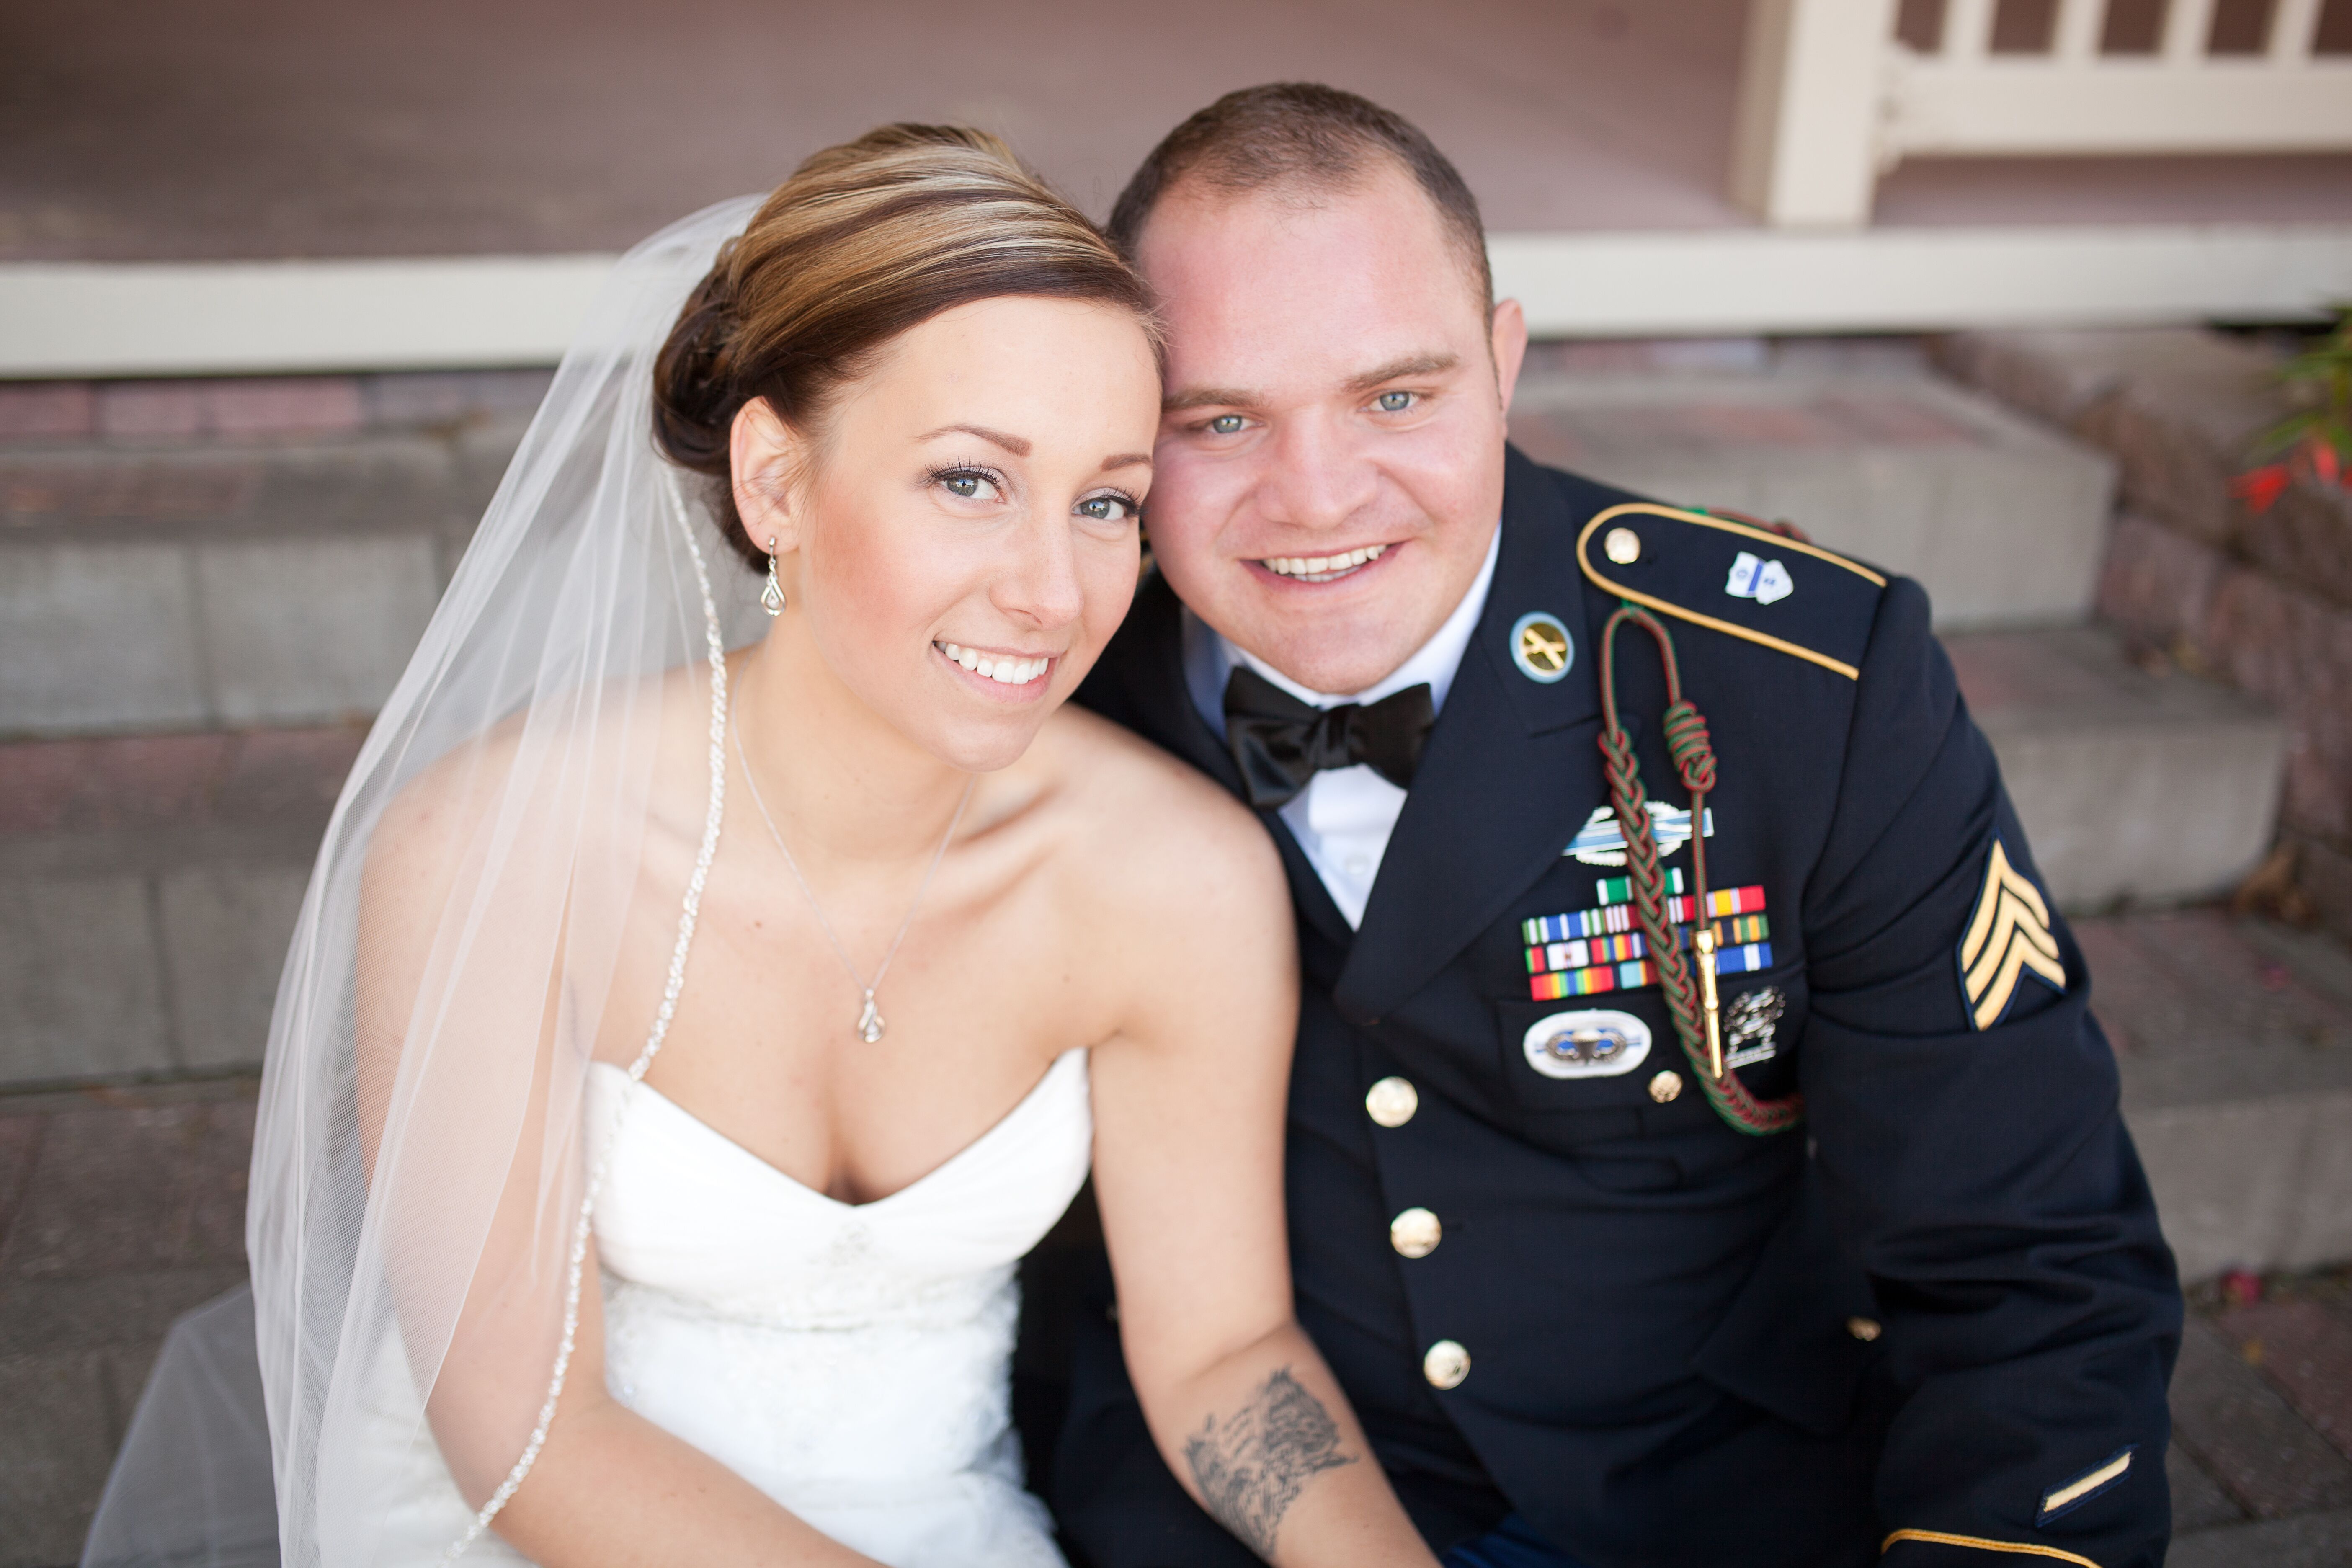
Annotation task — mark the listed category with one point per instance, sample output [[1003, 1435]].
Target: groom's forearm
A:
[[1265, 1441]]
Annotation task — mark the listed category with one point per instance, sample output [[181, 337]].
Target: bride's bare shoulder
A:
[[533, 770], [1148, 826]]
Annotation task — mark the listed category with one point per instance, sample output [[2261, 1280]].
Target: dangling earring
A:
[[771, 598]]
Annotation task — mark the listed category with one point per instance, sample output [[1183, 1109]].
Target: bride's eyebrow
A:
[[1126, 460], [1017, 445]]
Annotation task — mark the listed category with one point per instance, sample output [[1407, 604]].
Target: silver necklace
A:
[[869, 1021]]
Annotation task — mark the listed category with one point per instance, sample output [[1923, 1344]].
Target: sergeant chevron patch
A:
[[2008, 935]]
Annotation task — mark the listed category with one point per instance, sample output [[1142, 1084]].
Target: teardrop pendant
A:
[[771, 598], [870, 1022]]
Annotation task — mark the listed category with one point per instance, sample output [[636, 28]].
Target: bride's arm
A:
[[609, 1487], [1188, 1112]]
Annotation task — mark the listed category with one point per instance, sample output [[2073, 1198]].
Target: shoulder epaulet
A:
[[1736, 578]]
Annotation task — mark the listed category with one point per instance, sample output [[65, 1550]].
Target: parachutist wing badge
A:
[[2008, 935]]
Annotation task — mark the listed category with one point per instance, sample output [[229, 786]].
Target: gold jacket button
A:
[[1446, 1365], [1392, 1101], [1415, 1233], [1621, 545], [1864, 1329], [1665, 1085]]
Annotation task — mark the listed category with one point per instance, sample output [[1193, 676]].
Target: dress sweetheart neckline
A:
[[969, 1151]]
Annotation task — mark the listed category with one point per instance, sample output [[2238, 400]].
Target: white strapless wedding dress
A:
[[852, 1362]]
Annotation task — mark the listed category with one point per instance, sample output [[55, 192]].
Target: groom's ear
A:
[[764, 459], [1507, 341]]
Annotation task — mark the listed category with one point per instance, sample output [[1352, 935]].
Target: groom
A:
[[1586, 1316]]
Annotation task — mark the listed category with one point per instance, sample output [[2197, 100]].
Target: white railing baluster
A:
[[2293, 25], [2077, 35], [1968, 30], [1830, 98], [2188, 23]]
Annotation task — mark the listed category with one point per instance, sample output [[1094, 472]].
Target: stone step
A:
[[2234, 1036], [148, 888], [2133, 786], [2001, 519], [172, 587]]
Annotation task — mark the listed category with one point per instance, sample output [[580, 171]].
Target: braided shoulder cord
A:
[[1687, 741]]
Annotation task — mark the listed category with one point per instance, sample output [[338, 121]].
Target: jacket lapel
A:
[[1510, 772], [1140, 683]]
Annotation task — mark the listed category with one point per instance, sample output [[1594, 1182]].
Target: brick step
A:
[[2001, 519], [2132, 785]]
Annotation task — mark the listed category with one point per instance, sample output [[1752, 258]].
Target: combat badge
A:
[[2008, 935], [1601, 840], [1750, 1027], [1587, 1045]]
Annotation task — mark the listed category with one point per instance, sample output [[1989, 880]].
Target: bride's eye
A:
[[1112, 508], [968, 484]]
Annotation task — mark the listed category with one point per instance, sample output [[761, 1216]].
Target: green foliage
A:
[[2323, 374]]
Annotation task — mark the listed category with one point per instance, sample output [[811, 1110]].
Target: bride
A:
[[679, 1047]]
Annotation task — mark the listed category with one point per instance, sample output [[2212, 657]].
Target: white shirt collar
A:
[[1209, 657]]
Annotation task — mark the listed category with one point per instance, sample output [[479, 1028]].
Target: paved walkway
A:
[[120, 1208], [277, 127]]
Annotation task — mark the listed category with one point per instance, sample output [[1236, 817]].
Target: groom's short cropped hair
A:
[[1304, 137]]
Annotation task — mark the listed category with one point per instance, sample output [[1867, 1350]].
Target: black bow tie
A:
[[1280, 743]]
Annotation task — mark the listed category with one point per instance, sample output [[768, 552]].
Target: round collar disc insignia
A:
[[1541, 647]]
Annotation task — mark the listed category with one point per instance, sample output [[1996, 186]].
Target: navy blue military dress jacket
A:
[[1936, 1322]]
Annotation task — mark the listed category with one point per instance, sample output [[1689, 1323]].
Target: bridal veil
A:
[[385, 1218]]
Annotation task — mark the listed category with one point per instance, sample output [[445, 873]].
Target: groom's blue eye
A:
[[1395, 402], [1225, 424]]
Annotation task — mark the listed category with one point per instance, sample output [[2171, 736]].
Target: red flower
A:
[[2261, 487]]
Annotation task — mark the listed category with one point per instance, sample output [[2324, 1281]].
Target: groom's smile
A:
[[1330, 467]]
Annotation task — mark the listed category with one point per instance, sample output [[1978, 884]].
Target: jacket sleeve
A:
[[1965, 1108], [1112, 1495]]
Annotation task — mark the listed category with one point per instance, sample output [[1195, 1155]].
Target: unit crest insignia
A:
[[2008, 935]]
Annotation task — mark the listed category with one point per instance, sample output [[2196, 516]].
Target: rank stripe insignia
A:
[[2067, 1496], [1737, 931], [1610, 919], [1633, 976], [2008, 935]]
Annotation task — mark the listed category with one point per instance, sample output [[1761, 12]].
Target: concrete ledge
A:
[[450, 312]]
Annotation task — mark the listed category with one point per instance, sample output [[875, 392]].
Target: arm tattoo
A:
[[1251, 1468]]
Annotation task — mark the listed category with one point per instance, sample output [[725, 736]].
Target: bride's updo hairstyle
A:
[[865, 241]]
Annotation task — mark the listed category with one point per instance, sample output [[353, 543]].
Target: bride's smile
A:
[[957, 537]]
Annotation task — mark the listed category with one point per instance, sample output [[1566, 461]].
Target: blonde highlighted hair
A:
[[865, 241]]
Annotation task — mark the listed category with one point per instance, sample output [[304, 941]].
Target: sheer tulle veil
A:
[[582, 609]]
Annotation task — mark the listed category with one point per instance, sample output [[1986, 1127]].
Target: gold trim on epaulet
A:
[[2018, 1548], [1778, 541]]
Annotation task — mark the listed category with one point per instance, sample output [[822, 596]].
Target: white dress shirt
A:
[[1343, 817]]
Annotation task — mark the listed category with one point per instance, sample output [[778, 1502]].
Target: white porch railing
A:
[[1830, 98]]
